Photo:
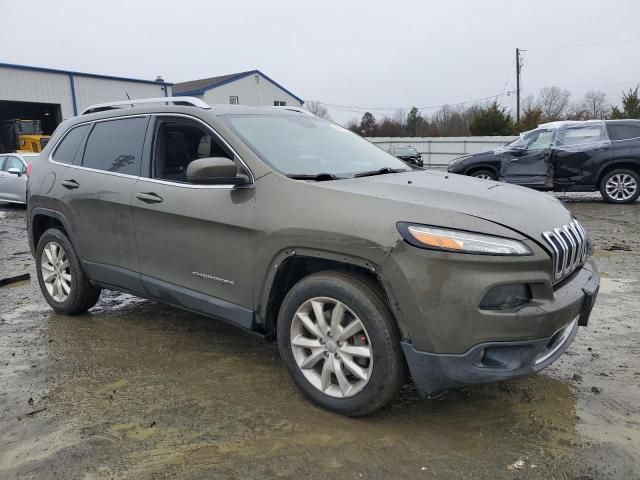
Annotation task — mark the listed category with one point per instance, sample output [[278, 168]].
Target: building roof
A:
[[80, 74], [198, 87]]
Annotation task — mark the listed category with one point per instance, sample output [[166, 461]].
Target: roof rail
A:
[[297, 109], [191, 101]]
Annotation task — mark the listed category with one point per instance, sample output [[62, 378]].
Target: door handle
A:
[[70, 184], [149, 197]]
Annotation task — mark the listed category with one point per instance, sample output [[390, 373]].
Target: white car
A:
[[14, 171]]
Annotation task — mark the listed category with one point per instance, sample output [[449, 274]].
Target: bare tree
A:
[[554, 103], [593, 105], [318, 109]]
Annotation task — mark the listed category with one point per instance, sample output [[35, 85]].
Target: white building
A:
[[50, 95], [244, 88]]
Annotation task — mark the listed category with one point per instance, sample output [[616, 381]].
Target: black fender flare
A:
[[283, 256], [47, 212]]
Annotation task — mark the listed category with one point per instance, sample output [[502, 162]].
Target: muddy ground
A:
[[135, 389]]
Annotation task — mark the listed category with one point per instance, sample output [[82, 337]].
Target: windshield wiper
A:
[[317, 177], [382, 171]]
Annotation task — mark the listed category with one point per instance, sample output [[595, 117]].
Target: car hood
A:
[[456, 201]]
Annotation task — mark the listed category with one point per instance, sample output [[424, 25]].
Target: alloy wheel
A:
[[621, 187], [56, 273], [484, 176], [331, 347]]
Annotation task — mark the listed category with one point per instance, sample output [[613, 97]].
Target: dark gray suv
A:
[[365, 269]]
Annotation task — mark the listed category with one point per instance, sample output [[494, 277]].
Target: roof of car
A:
[[162, 108]]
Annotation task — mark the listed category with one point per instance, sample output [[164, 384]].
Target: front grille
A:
[[569, 246]]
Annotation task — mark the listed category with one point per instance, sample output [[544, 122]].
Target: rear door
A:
[[529, 165], [580, 151], [13, 187], [96, 195]]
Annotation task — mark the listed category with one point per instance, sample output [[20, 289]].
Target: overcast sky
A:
[[387, 54]]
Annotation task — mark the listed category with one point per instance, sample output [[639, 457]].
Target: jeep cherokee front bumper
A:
[[492, 361]]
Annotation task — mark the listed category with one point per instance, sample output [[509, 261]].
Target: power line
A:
[[580, 45], [358, 109]]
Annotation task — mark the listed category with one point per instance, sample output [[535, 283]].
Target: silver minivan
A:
[[14, 171]]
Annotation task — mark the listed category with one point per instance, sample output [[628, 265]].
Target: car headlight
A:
[[458, 160], [436, 238]]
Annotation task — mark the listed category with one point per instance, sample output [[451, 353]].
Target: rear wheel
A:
[[62, 280], [620, 186], [339, 342], [484, 174]]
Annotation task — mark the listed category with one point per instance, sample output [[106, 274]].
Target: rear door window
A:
[[116, 145], [624, 132], [584, 135], [66, 150]]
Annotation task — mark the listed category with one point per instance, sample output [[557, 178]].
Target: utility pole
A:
[[518, 86]]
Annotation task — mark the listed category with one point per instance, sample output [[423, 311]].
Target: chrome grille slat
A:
[[569, 248]]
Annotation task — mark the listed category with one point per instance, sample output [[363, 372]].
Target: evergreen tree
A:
[[630, 105], [368, 126], [492, 120]]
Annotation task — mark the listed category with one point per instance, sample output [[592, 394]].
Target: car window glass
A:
[[177, 143], [13, 162], [66, 150], [624, 132], [539, 140], [580, 135], [116, 145], [305, 145]]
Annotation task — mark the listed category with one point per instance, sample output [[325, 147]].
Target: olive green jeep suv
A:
[[365, 269]]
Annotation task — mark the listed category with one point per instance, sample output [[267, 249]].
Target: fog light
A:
[[506, 297]]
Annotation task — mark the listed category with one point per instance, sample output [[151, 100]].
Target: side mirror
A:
[[215, 171], [15, 171]]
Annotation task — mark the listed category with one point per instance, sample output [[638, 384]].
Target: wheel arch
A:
[[629, 164], [294, 264], [475, 168], [40, 220]]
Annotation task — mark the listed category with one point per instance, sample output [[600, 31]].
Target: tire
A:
[[620, 186], [81, 294], [384, 368], [485, 174]]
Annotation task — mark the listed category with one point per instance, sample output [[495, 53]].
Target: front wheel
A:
[[620, 186], [338, 339], [484, 175]]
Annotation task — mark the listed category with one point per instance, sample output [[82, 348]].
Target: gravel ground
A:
[[135, 389]]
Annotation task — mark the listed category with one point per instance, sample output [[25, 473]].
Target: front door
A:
[[13, 186], [195, 242], [96, 196], [529, 164]]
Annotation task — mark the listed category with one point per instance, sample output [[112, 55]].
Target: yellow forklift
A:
[[19, 135]]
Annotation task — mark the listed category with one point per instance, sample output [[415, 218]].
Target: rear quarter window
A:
[[67, 149], [116, 145], [624, 132]]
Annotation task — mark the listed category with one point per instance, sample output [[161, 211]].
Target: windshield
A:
[[405, 151], [305, 145], [29, 127], [533, 140]]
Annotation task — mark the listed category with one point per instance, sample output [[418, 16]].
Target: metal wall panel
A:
[[29, 84], [439, 151], [90, 91], [41, 87]]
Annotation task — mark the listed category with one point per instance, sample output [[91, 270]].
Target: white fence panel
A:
[[439, 151]]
